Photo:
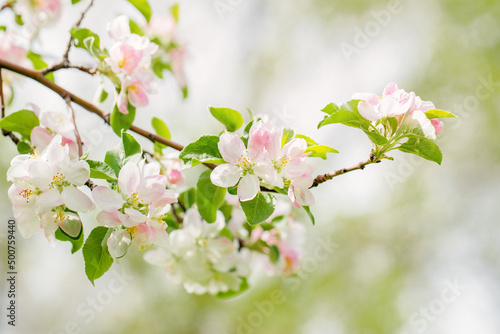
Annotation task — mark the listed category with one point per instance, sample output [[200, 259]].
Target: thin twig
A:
[[328, 176], [77, 133], [6, 5], [64, 62]]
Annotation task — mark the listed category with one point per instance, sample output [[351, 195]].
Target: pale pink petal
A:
[[294, 148], [304, 196], [225, 175], [137, 95], [119, 28], [27, 221], [41, 174], [291, 196], [47, 200], [438, 125], [168, 197], [248, 187], [40, 137], [107, 199], [231, 147], [77, 172], [122, 101], [367, 111], [129, 178], [118, 243], [76, 200], [390, 88], [151, 189], [157, 257], [133, 217], [367, 97], [109, 219]]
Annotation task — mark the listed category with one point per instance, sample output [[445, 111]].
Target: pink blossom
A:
[[393, 102], [134, 90]]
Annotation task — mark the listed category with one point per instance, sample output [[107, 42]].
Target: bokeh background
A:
[[416, 245]]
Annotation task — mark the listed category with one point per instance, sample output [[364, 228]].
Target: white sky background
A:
[[306, 71]]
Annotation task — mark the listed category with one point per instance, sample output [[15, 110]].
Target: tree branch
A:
[[328, 176], [64, 62]]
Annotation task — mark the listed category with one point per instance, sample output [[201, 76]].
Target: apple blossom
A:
[[240, 165], [393, 102], [44, 187], [138, 205], [134, 90], [171, 167], [40, 12], [197, 257]]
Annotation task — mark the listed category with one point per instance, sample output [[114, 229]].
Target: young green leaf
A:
[[375, 137], [135, 28], [424, 148], [259, 208], [232, 119], [346, 113], [22, 121], [286, 136], [204, 149], [209, 197], [161, 129], [231, 293], [437, 113], [96, 255], [128, 150], [188, 198], [320, 151], [121, 121], [101, 170], [23, 148], [86, 39], [143, 7], [130, 145], [39, 63], [76, 243]]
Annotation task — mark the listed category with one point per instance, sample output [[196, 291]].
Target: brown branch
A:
[[328, 176], [6, 5], [38, 76], [77, 133]]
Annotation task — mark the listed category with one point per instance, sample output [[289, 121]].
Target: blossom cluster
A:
[[136, 208], [408, 108], [12, 51], [130, 58], [265, 161], [38, 13], [45, 194]]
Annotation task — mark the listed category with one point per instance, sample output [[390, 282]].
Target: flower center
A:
[[60, 216], [281, 162], [26, 193], [245, 163], [35, 155], [133, 199], [58, 181]]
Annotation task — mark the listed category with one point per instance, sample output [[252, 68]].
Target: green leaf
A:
[[437, 113], [86, 39], [18, 19], [209, 197], [3, 28], [103, 96], [393, 124], [101, 170], [39, 63], [143, 7], [274, 253], [128, 150], [286, 136], [76, 243], [96, 255], [231, 293], [320, 151], [22, 122], [226, 233], [259, 208], [161, 129], [121, 121], [310, 214], [204, 149], [232, 119], [135, 28], [174, 10], [346, 113], [309, 140], [130, 145], [375, 137], [23, 148], [188, 198], [425, 148], [74, 2]]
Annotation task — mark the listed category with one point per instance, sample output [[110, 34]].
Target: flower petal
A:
[[367, 111], [71, 226], [231, 147], [249, 187], [47, 200], [41, 174], [226, 175], [107, 199], [76, 200], [109, 219], [77, 172], [151, 189], [132, 218], [129, 178]]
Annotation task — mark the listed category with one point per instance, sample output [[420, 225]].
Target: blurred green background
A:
[[416, 244]]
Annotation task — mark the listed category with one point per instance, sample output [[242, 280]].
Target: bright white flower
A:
[[240, 165], [199, 258], [44, 186], [137, 207]]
